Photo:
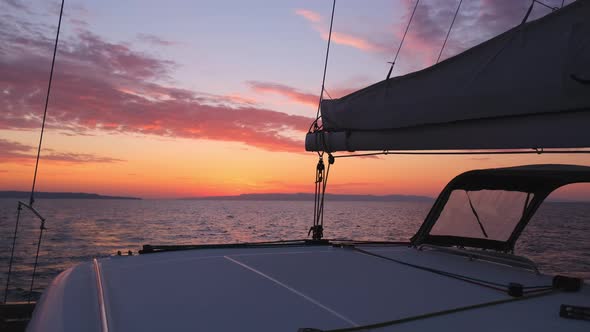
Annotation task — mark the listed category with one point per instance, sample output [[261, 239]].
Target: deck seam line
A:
[[293, 290]]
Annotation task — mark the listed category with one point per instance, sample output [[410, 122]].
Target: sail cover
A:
[[526, 88]]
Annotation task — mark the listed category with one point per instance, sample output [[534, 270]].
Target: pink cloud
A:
[[477, 21], [110, 87], [309, 15], [284, 90], [294, 94], [341, 38], [353, 41]]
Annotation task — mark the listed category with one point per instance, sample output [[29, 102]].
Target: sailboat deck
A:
[[322, 287]]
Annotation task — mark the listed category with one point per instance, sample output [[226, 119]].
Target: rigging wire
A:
[[317, 116], [403, 38], [546, 5], [31, 198], [321, 181], [526, 16], [449, 32]]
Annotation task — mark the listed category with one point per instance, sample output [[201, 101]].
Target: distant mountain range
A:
[[51, 195], [309, 197]]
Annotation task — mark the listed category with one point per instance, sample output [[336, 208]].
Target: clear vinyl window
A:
[[485, 214]]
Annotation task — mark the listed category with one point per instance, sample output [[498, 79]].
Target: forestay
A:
[[526, 88]]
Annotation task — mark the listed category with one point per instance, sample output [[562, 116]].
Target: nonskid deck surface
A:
[[284, 289]]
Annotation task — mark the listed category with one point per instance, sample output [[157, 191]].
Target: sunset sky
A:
[[164, 99]]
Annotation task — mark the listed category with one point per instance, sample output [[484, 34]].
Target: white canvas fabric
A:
[[537, 70]]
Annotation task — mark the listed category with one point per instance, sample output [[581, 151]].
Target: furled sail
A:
[[526, 88]]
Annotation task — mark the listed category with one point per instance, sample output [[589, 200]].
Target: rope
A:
[[480, 282], [317, 116], [319, 178], [546, 5], [536, 151], [32, 199], [483, 230], [330, 162], [526, 16], [403, 38], [432, 314], [528, 12], [449, 32], [321, 181]]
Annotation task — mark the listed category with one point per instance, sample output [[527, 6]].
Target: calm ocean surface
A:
[[558, 238]]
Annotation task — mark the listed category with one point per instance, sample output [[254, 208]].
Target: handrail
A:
[[496, 257], [41, 229]]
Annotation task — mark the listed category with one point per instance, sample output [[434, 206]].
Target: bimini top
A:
[[489, 208]]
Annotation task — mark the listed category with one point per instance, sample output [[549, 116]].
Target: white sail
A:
[[526, 88]]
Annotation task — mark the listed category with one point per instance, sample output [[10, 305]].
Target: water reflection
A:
[[79, 230]]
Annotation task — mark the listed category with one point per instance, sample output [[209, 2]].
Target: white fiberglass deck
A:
[[284, 289]]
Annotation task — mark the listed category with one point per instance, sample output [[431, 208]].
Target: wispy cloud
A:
[[155, 40], [294, 94], [309, 15], [284, 90], [17, 4], [110, 87], [477, 21], [338, 37], [15, 152], [354, 41]]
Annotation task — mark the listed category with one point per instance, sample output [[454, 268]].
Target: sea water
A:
[[557, 239]]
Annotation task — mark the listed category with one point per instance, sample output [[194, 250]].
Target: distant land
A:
[[309, 197], [59, 195]]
